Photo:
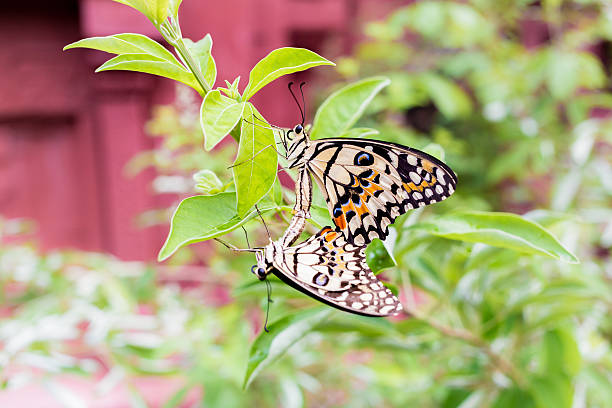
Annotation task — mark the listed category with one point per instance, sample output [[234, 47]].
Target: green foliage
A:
[[343, 108], [255, 165], [501, 230], [279, 62]]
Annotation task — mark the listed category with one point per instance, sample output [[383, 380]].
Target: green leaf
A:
[[279, 62], [497, 229], [359, 133], [255, 165], [343, 108], [207, 182], [449, 98], [155, 10], [201, 218], [140, 5], [151, 65], [512, 398], [218, 116], [378, 257], [551, 390], [561, 352], [201, 52], [126, 43], [196, 219], [174, 6], [284, 333]]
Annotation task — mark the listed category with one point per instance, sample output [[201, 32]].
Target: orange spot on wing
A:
[[340, 221], [413, 187], [427, 165], [330, 236]]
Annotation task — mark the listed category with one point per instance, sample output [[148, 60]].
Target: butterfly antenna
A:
[[303, 102], [246, 236], [264, 223], [296, 101], [266, 122], [233, 248], [269, 290]]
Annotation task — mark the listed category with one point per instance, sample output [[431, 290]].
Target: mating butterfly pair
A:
[[367, 184]]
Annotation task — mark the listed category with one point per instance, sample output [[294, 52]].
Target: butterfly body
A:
[[368, 183]]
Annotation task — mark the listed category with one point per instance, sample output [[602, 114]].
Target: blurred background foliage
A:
[[518, 95]]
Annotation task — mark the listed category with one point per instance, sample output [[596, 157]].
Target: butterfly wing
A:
[[369, 183], [335, 272]]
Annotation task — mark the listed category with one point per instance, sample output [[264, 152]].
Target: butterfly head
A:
[[296, 142], [262, 269]]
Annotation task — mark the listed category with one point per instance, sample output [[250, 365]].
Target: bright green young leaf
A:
[[218, 116], [449, 98], [279, 62], [162, 7], [142, 6], [502, 230], [201, 52], [207, 182], [151, 65], [343, 108], [255, 165], [174, 6], [155, 10], [126, 43], [201, 218], [284, 333]]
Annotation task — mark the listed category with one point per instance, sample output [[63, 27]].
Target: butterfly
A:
[[327, 268], [366, 183]]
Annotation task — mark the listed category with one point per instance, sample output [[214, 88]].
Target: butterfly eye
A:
[[298, 129], [363, 159]]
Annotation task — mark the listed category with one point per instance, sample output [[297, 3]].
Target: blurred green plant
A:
[[501, 315]]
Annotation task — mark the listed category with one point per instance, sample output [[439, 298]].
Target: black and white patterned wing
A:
[[369, 183], [335, 272]]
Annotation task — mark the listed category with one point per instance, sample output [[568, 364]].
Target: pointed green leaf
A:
[[497, 229], [284, 333], [151, 65], [174, 6], [256, 162], [279, 62], [201, 52], [359, 133], [162, 8], [339, 112], [126, 43], [201, 218], [218, 116], [140, 5], [448, 97], [155, 10]]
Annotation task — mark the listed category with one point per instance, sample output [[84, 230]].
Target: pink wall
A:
[[67, 133]]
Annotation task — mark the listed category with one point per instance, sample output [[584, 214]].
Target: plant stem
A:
[[182, 49], [172, 33], [498, 361]]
